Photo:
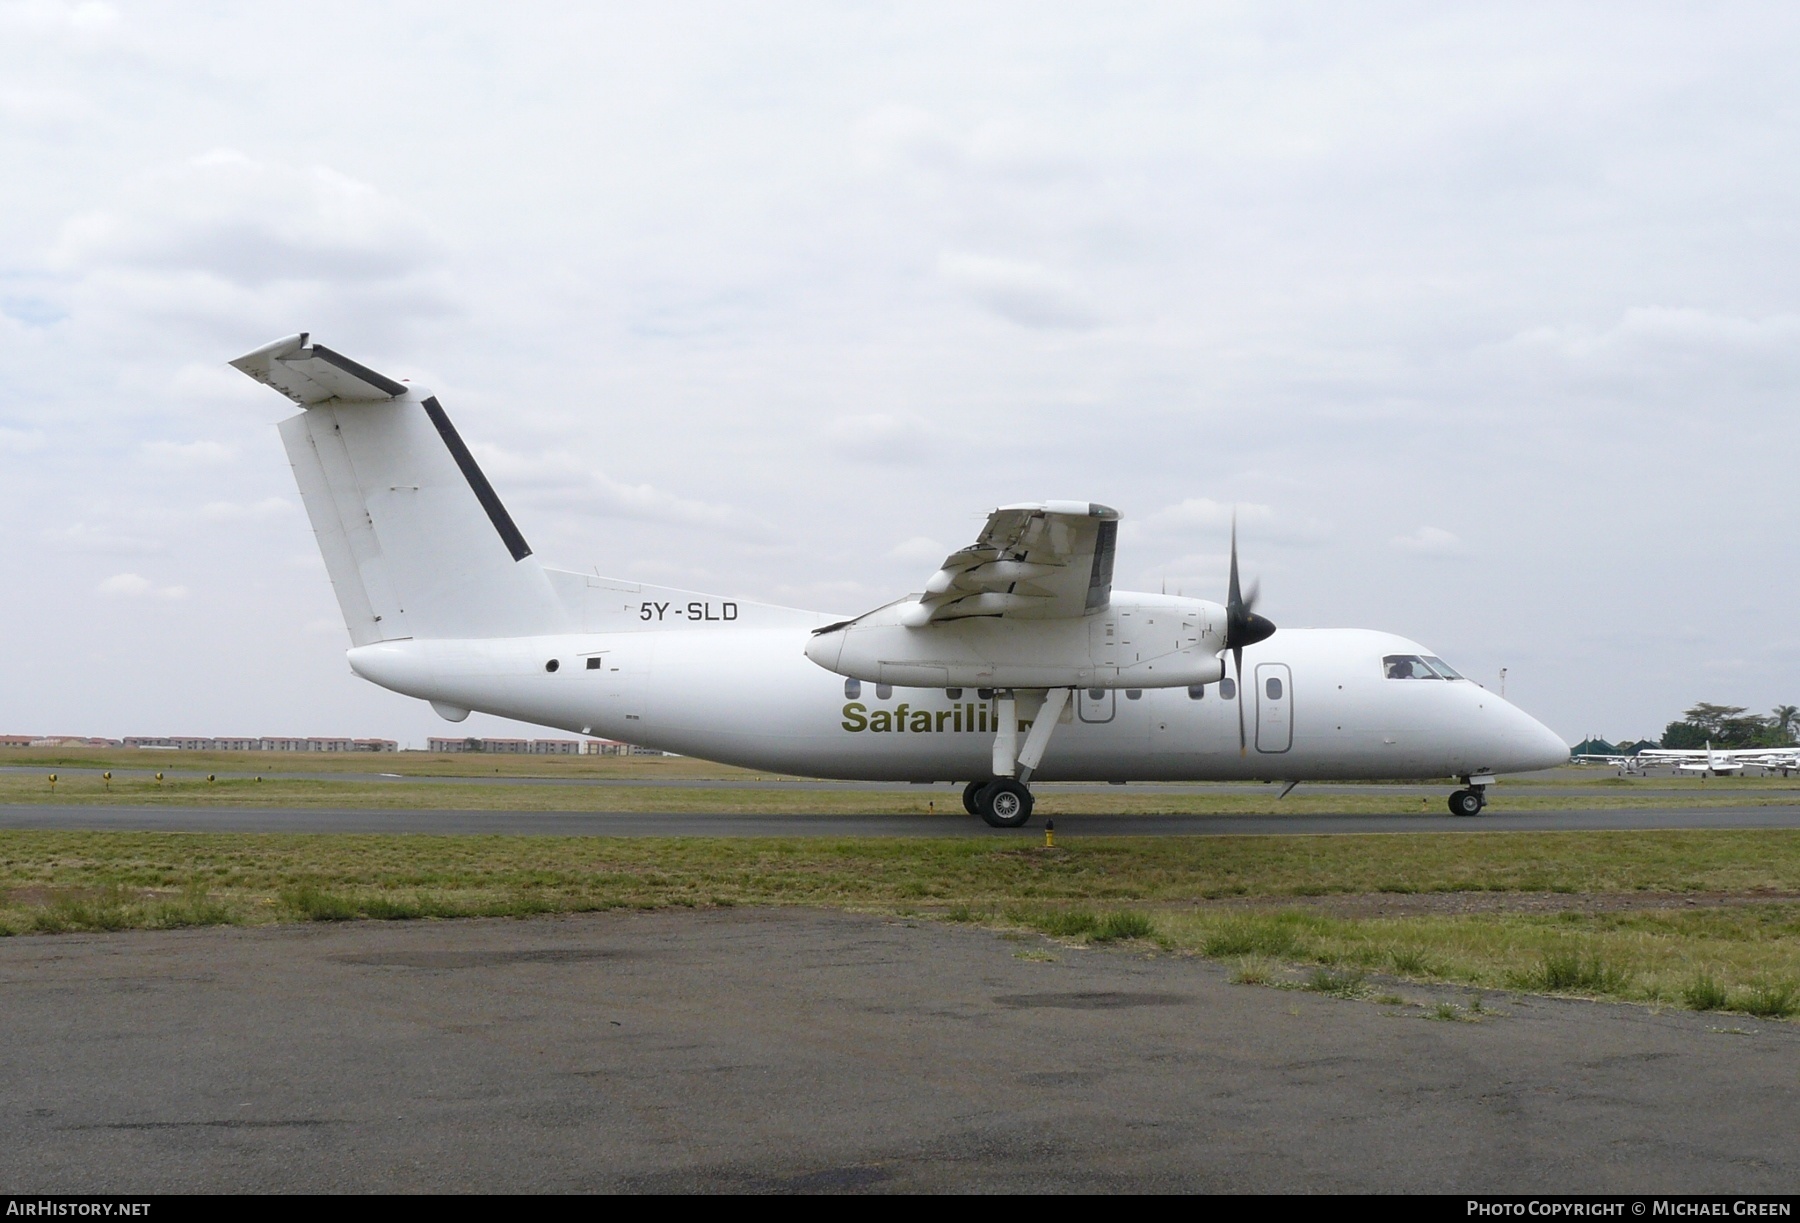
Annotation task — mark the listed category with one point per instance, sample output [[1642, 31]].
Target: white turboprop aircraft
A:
[[1018, 661]]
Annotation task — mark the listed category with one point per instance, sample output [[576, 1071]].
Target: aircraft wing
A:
[[1039, 560]]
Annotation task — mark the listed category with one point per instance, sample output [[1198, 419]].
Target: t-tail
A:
[[414, 537]]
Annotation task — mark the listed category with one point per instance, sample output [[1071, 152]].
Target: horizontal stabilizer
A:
[[312, 373]]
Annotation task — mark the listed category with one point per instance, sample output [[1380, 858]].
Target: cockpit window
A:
[[1406, 666], [1441, 667]]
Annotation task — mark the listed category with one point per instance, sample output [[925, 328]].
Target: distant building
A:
[[536, 747], [261, 743]]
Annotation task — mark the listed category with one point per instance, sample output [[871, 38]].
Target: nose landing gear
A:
[[1466, 802]]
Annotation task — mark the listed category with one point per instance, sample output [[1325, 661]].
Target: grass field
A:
[[1598, 914], [407, 764]]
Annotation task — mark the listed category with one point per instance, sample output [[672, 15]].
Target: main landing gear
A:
[[1005, 802], [1001, 803]]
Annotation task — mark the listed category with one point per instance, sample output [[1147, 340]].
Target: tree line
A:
[[1724, 726]]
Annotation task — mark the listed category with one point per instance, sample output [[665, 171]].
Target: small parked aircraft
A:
[[1018, 660], [1719, 762]]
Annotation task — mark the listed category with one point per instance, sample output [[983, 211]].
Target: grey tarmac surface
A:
[[72, 817], [799, 1050]]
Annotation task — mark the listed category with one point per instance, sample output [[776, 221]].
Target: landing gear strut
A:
[[1004, 803]]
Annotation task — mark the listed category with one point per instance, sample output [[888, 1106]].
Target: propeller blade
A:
[[1237, 666], [1234, 600], [1242, 627]]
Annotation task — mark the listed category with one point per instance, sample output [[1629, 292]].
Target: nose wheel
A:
[[1003, 803], [1467, 802]]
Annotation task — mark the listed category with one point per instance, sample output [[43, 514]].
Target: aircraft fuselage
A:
[[742, 692]]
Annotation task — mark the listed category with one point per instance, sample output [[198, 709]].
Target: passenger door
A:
[[1274, 707]]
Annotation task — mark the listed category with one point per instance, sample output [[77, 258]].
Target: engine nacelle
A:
[[1139, 641]]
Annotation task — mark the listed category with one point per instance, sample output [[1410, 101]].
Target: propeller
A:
[[1242, 627]]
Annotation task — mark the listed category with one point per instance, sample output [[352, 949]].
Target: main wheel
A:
[[1466, 802], [972, 797], [1005, 803]]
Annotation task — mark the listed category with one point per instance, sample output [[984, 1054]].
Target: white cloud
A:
[[1688, 360], [919, 550], [87, 537], [908, 139], [1203, 514], [1428, 541], [1028, 294], [1205, 517], [563, 482], [240, 249], [186, 454], [86, 17], [20, 441], [232, 511], [885, 439], [134, 586], [1196, 575], [249, 222]]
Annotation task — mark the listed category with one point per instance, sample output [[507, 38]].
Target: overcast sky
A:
[[1486, 317]]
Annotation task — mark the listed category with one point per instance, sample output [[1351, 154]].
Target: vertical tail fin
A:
[[414, 537]]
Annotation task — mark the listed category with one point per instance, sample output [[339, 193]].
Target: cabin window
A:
[[1133, 694], [1406, 666], [852, 689], [1273, 688], [1228, 690], [986, 694], [1096, 694], [883, 691], [1197, 692], [954, 694], [593, 664], [1441, 667], [552, 665]]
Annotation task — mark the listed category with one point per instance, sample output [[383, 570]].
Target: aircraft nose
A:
[[1539, 746], [1553, 752]]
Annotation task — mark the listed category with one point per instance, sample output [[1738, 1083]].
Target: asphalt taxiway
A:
[[801, 1050], [948, 823]]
